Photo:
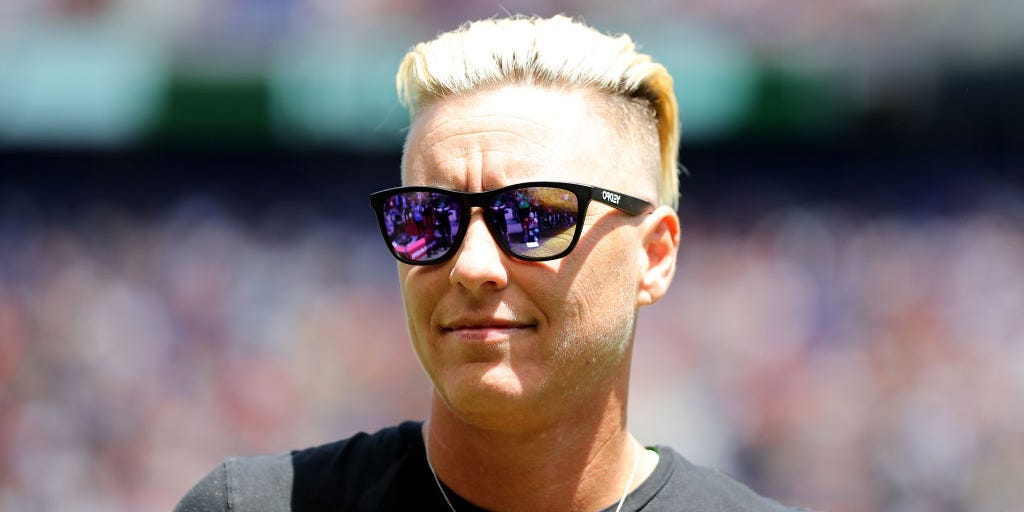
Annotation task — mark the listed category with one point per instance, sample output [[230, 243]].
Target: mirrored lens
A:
[[420, 226], [536, 222]]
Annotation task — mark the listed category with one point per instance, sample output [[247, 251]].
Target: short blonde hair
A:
[[557, 51]]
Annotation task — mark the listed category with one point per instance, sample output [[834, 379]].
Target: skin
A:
[[530, 360]]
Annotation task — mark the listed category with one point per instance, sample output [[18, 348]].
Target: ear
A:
[[660, 247]]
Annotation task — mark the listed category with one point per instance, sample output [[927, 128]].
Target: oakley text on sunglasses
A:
[[534, 221]]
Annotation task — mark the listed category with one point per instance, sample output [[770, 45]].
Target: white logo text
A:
[[610, 197]]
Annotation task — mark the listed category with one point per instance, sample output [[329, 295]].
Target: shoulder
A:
[[334, 475], [688, 486], [359, 462], [239, 482]]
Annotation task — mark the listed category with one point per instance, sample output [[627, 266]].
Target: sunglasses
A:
[[534, 221]]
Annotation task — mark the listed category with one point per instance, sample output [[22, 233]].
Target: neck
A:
[[581, 464]]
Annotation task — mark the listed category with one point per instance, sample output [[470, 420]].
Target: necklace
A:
[[437, 480], [625, 490]]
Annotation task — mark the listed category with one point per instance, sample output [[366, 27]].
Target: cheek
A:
[[607, 281], [598, 306], [418, 296]]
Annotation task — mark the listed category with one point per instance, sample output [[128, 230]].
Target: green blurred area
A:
[[327, 109], [794, 106], [198, 111]]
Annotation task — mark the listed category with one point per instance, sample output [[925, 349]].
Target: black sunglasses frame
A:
[[467, 200]]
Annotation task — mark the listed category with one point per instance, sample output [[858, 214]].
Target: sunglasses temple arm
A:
[[626, 203]]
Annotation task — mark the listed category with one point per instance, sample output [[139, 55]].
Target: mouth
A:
[[491, 330]]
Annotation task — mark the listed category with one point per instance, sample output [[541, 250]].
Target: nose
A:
[[479, 264]]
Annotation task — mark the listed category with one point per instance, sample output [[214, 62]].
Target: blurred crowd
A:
[[832, 359], [985, 26]]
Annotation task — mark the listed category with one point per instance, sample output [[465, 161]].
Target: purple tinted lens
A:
[[536, 222], [421, 226]]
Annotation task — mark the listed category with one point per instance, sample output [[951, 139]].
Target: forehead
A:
[[506, 135]]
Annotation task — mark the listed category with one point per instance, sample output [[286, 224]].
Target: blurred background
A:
[[189, 268]]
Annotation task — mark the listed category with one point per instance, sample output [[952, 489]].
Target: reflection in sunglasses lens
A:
[[420, 226], [537, 222]]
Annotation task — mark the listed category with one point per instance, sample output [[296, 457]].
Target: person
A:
[[417, 217], [499, 219], [528, 349], [443, 221]]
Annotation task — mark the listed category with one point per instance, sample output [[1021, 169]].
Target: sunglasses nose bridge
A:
[[480, 234], [485, 204]]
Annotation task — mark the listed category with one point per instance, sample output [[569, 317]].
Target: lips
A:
[[484, 329], [490, 323]]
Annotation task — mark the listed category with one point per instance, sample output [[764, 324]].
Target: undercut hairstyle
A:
[[552, 52]]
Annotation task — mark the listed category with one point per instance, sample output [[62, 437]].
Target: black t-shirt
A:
[[387, 471]]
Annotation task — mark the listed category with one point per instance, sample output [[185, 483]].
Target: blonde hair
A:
[[557, 51]]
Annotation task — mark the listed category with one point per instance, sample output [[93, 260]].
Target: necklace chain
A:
[[625, 490], [437, 480]]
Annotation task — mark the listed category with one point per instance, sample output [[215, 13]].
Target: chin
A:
[[487, 379], [481, 391]]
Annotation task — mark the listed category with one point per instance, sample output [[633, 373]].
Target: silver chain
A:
[[436, 480]]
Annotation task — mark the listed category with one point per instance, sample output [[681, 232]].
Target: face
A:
[[498, 335]]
